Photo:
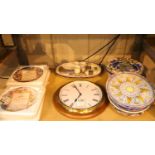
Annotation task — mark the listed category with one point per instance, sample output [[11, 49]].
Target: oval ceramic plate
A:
[[78, 69], [120, 65], [130, 90], [19, 98], [27, 74]]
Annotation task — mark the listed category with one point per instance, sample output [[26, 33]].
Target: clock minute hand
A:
[[77, 89]]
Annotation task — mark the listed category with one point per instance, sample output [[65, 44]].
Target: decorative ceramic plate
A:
[[120, 65], [78, 69], [19, 98], [128, 111], [27, 74], [130, 91]]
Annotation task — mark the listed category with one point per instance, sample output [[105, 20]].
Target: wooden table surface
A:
[[50, 113]]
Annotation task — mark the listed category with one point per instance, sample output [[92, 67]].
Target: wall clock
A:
[[81, 99]]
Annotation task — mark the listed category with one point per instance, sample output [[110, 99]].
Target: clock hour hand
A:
[[75, 100]]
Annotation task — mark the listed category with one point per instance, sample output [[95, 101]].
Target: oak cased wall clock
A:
[[80, 99]]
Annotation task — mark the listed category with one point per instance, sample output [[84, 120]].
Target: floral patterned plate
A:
[[27, 74], [120, 65], [130, 91]]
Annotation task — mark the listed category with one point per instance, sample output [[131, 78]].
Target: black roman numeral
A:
[[97, 94], [94, 89], [95, 100], [63, 95], [66, 100]]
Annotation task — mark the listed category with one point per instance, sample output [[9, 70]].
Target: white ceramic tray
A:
[[78, 69]]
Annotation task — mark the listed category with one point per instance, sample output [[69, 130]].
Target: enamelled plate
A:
[[127, 112], [130, 90], [28, 74], [17, 99], [78, 69], [120, 65]]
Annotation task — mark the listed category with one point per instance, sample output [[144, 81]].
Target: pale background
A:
[[55, 49]]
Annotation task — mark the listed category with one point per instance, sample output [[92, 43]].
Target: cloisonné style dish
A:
[[129, 93], [78, 69], [81, 97], [18, 98], [27, 74], [120, 65]]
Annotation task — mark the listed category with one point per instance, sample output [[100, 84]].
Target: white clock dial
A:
[[80, 95]]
